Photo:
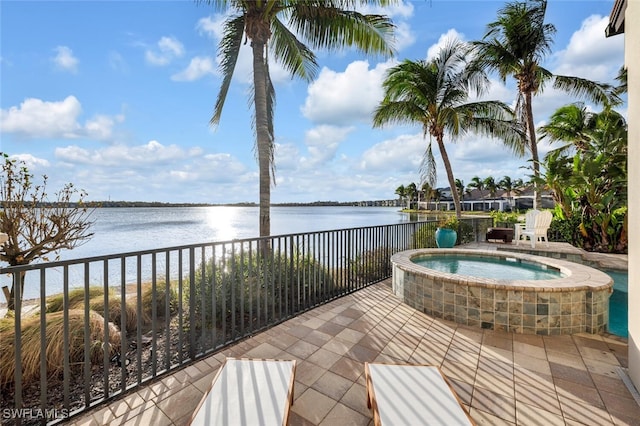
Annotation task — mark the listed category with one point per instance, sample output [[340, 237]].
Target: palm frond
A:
[[228, 51], [325, 25], [294, 55], [600, 93], [428, 169]]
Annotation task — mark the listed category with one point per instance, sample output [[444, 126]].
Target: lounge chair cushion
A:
[[412, 395], [248, 392]]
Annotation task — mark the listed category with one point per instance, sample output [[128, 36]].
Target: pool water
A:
[[619, 304], [488, 267]]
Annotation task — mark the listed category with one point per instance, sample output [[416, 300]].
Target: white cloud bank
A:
[[35, 118]]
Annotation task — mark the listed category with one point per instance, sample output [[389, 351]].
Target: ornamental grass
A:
[[54, 344]]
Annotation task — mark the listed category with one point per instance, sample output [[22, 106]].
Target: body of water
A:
[[122, 230], [126, 230]]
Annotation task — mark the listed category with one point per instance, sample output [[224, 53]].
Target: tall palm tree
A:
[[434, 95], [516, 45], [280, 27]]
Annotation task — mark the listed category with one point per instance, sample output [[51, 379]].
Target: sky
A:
[[116, 97]]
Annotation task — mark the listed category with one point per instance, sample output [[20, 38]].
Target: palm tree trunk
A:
[[452, 181], [263, 137], [533, 145]]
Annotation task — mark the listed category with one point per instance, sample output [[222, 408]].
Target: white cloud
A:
[[403, 153], [168, 49], [343, 98], [152, 152], [31, 162], [154, 171], [198, 68], [212, 26], [64, 59], [444, 39], [404, 37], [590, 54], [323, 142], [35, 118]]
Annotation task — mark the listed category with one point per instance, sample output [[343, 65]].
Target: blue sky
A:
[[116, 97]]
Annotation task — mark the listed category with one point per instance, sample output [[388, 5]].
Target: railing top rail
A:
[[59, 263]]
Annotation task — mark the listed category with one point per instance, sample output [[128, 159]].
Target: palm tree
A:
[[477, 183], [491, 185], [581, 129], [401, 192], [411, 191], [434, 95], [426, 190], [460, 188], [280, 25], [515, 45], [572, 124], [508, 186]]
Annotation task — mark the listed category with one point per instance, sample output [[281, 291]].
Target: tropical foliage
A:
[[288, 30], [516, 45], [435, 95], [588, 177]]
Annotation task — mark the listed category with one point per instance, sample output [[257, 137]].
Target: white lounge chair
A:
[[248, 392], [540, 228], [412, 395]]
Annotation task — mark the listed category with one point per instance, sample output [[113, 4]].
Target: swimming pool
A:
[[574, 299], [498, 268], [619, 304]]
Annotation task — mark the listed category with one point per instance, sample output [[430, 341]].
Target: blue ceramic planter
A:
[[446, 238]]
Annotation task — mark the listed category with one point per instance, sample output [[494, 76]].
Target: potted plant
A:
[[447, 232]]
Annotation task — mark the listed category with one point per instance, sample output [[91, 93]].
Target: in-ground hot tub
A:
[[561, 298]]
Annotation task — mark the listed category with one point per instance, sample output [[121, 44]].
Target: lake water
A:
[[125, 230], [121, 230]]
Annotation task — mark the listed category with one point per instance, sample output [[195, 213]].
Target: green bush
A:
[[252, 290], [504, 219], [373, 265], [425, 236]]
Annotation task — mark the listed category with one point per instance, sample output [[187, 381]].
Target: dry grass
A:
[[115, 305], [54, 347]]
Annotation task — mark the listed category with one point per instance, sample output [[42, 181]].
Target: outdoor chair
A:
[[248, 392], [412, 395], [539, 230], [528, 225]]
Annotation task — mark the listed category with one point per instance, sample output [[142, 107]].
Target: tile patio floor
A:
[[502, 378]]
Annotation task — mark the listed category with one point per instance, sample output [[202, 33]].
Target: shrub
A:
[[372, 265], [251, 289], [425, 236]]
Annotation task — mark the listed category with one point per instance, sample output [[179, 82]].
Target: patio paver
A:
[[502, 378]]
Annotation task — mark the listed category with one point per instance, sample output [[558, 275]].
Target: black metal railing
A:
[[105, 325]]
